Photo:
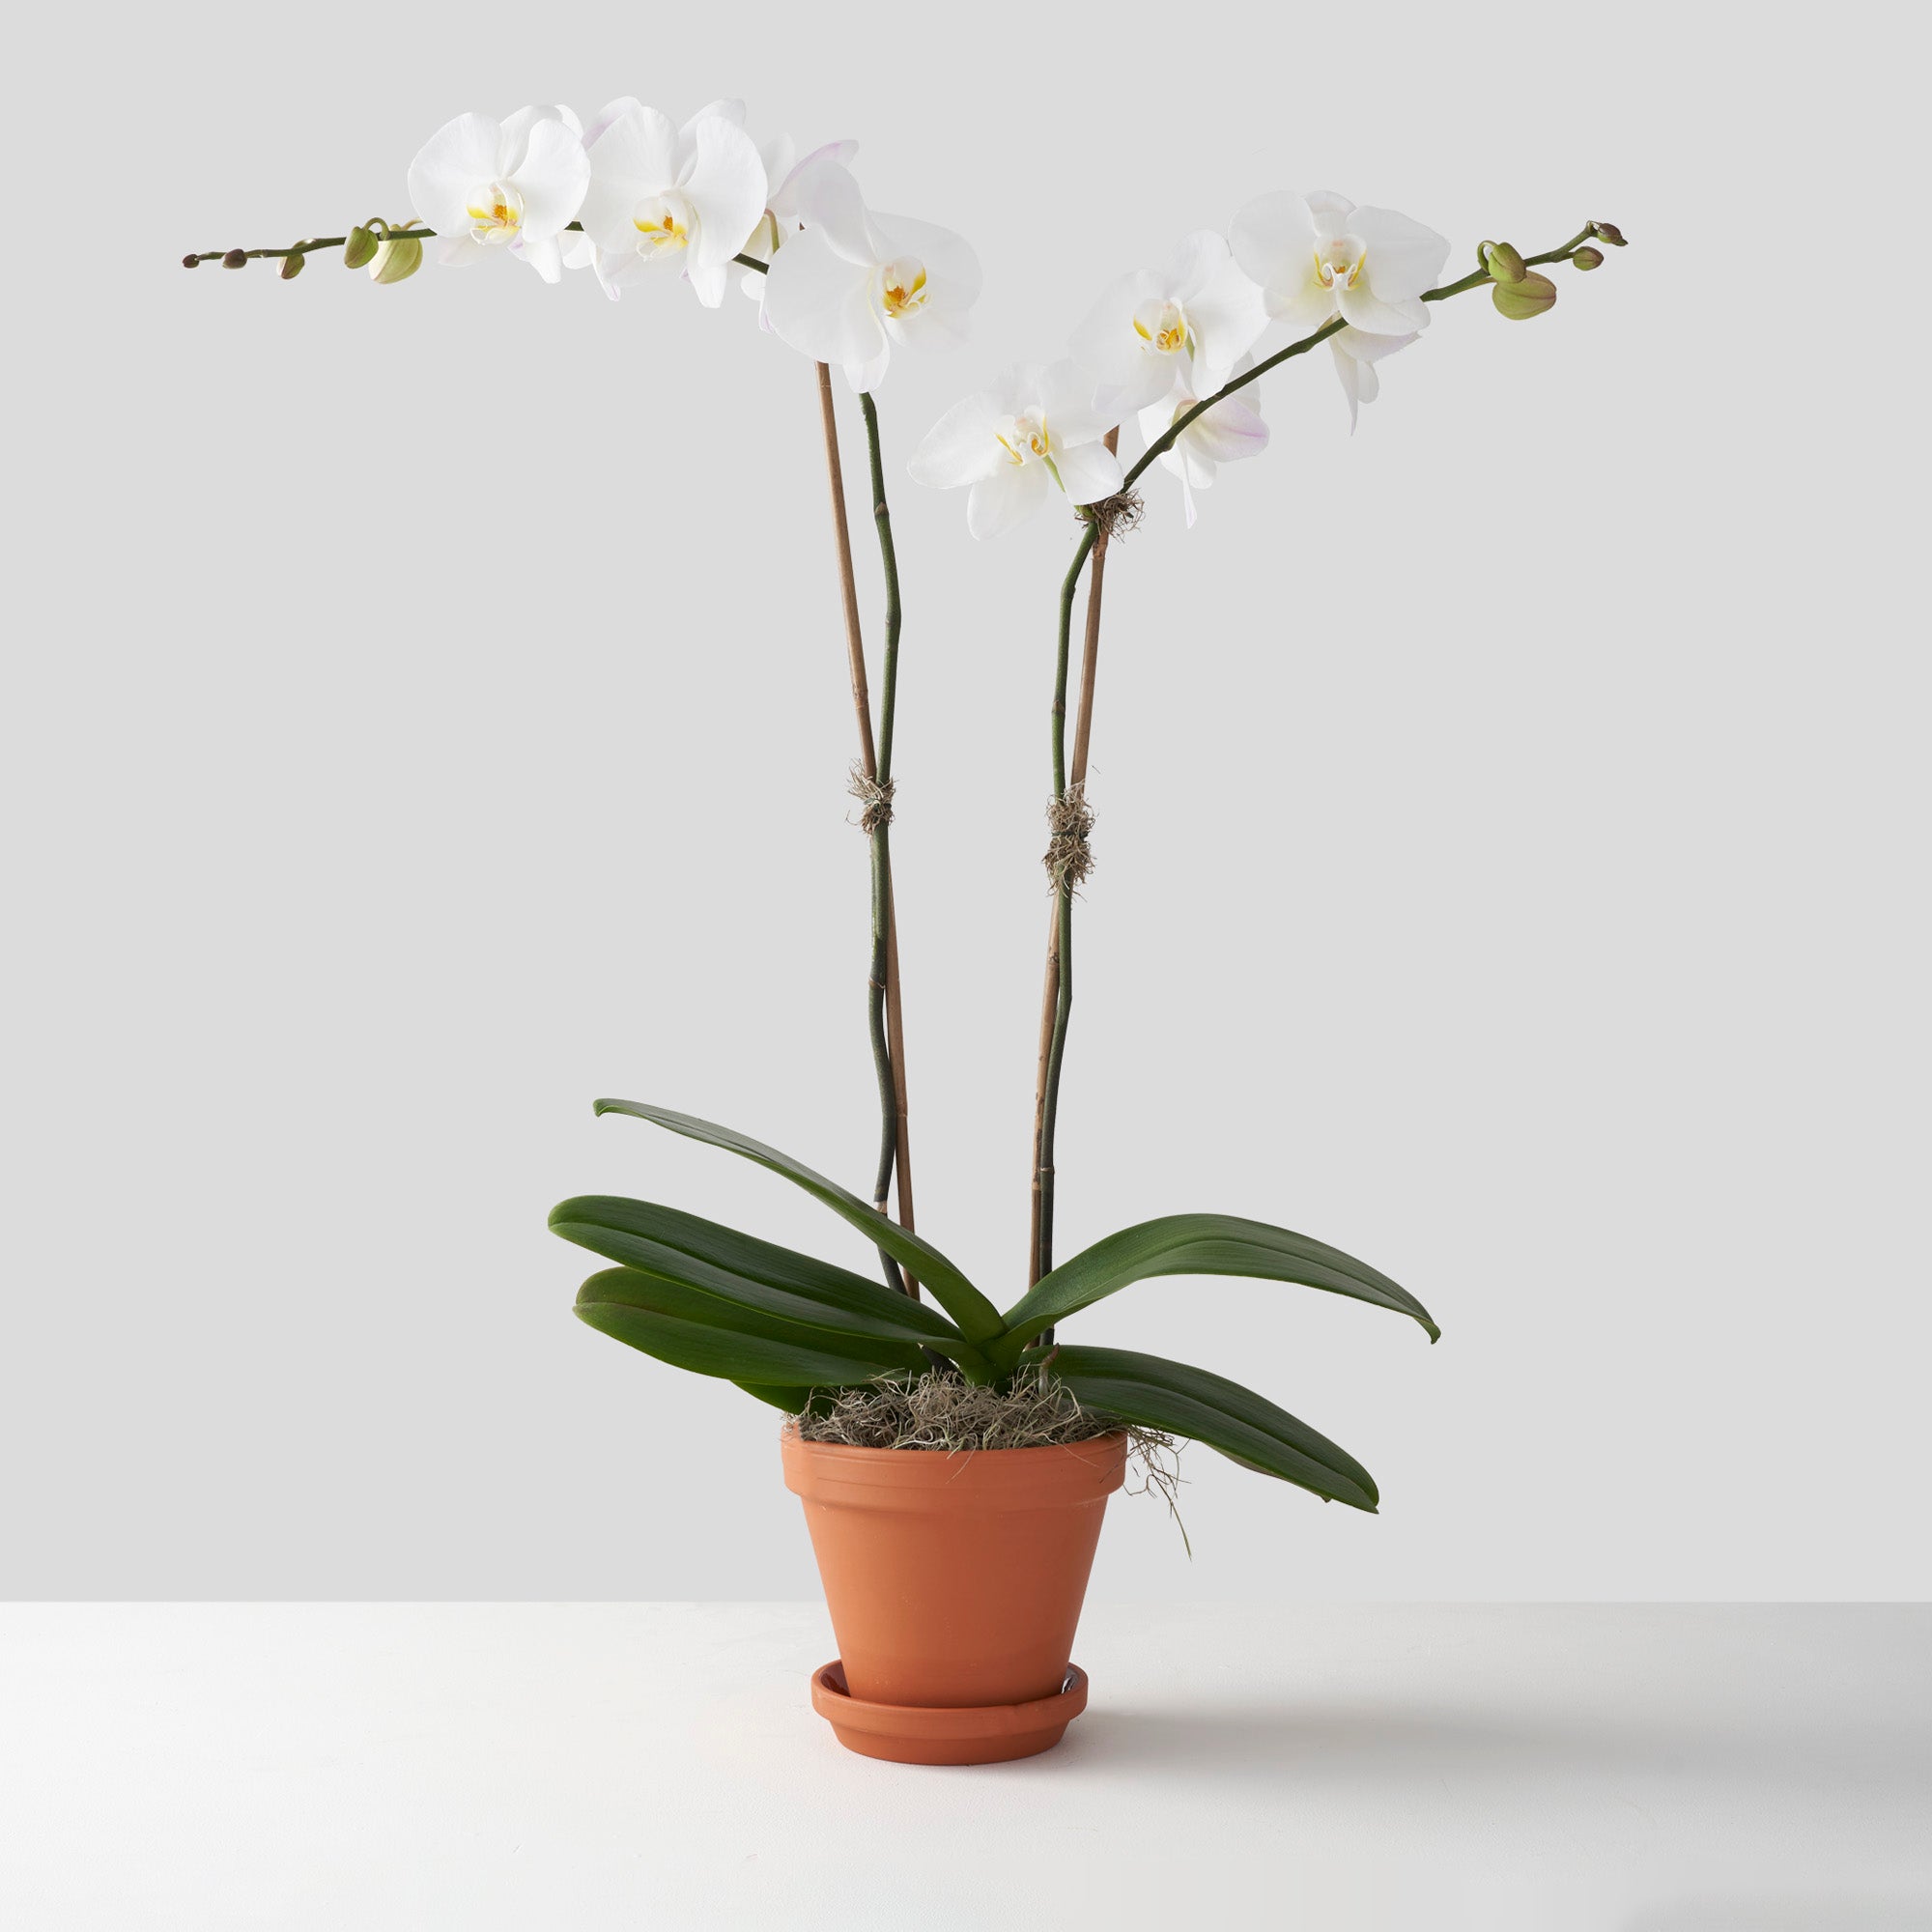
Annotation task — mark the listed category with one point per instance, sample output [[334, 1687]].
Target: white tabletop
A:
[[579, 1767]]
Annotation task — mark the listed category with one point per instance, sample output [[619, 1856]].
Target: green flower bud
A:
[[1503, 263], [1588, 258], [1608, 231], [358, 249], [292, 267], [1523, 301], [234, 259], [398, 259]]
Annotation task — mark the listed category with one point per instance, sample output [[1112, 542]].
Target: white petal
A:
[[1365, 347], [456, 158], [554, 174], [636, 156], [822, 193], [733, 112], [542, 253], [1332, 213], [864, 373], [462, 250], [1067, 398], [1192, 266], [609, 113], [1365, 309], [1108, 344], [951, 268], [727, 187], [779, 155], [1226, 319], [1012, 494], [962, 447], [1226, 433], [819, 303], [513, 143], [1350, 371], [1273, 240], [1403, 257], [1087, 470]]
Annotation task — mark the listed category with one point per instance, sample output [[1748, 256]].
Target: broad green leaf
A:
[[1209, 1408], [721, 1261], [978, 1319], [1198, 1244], [678, 1325], [790, 1400]]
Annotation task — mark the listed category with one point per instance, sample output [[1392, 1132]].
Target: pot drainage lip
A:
[[1019, 1728]]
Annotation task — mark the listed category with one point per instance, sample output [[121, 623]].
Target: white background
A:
[[427, 713]]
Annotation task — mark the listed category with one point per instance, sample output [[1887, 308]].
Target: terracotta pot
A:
[[954, 1583]]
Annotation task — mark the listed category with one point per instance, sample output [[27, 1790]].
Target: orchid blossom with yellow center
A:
[[1318, 256], [490, 187], [659, 193], [1199, 310], [1035, 430], [850, 286]]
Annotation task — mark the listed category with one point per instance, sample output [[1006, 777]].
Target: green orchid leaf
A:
[[712, 1337], [791, 1399], [1244, 1426], [1198, 1244], [978, 1320], [721, 1261]]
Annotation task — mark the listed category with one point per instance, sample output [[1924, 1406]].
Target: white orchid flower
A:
[[1036, 427], [794, 187], [502, 187], [1225, 434], [1356, 354], [1200, 307], [659, 193], [851, 284], [1318, 256]]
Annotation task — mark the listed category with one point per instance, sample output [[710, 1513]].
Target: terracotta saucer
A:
[[914, 1734]]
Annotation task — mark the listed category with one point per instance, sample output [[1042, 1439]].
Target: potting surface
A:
[[583, 1766]]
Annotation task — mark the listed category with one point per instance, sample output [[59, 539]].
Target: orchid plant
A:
[[1174, 352]]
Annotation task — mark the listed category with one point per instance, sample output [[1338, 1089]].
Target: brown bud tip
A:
[[1588, 258], [190, 260], [1608, 231], [234, 259]]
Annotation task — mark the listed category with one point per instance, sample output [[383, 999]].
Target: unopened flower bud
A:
[[1523, 301], [1588, 258], [292, 267], [234, 259], [358, 249], [398, 258], [1503, 263], [190, 260], [1608, 231]]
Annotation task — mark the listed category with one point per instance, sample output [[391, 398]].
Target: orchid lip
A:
[[496, 212]]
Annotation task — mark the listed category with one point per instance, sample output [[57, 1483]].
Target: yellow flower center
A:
[[903, 287], [496, 212], [1162, 327], [1024, 437], [663, 223], [1340, 261]]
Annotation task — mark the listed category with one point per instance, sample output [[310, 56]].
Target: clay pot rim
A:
[[847, 1452]]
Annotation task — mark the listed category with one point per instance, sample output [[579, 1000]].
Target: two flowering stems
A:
[[1199, 299]]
